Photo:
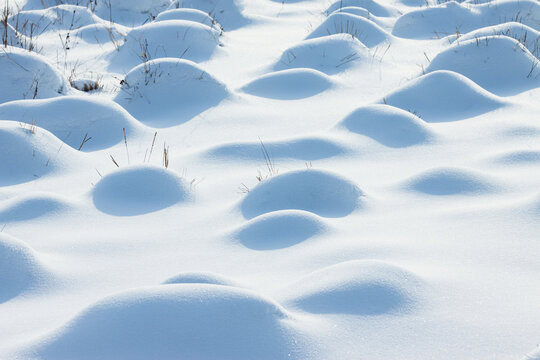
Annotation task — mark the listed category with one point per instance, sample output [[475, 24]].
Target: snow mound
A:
[[28, 153], [186, 321], [388, 125], [53, 19], [526, 35], [320, 192], [438, 21], [187, 14], [485, 61], [354, 10], [20, 268], [519, 157], [365, 30], [226, 12], [450, 181], [71, 118], [166, 92], [289, 84], [443, 96], [166, 39], [29, 75], [28, 207], [306, 149], [360, 287], [129, 12], [200, 278], [139, 190], [372, 6], [452, 17], [279, 229], [329, 54], [99, 34]]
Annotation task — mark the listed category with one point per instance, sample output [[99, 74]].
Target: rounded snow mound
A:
[[279, 229], [434, 22], [524, 34], [139, 190], [200, 278], [519, 157], [225, 12], [450, 181], [365, 30], [184, 321], [306, 149], [53, 19], [354, 10], [374, 7], [20, 268], [443, 96], [289, 84], [28, 153], [166, 92], [485, 61], [29, 75], [452, 17], [388, 125], [320, 192], [99, 33], [189, 15], [166, 39], [129, 12], [73, 118], [32, 206], [329, 54], [360, 287]]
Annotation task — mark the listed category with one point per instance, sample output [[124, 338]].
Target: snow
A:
[[139, 189], [289, 84], [268, 179]]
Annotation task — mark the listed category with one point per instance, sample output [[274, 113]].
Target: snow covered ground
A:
[[264, 179]]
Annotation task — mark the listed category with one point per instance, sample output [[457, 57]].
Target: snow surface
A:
[[268, 179]]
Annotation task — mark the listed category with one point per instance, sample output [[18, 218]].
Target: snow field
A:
[[269, 180]]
